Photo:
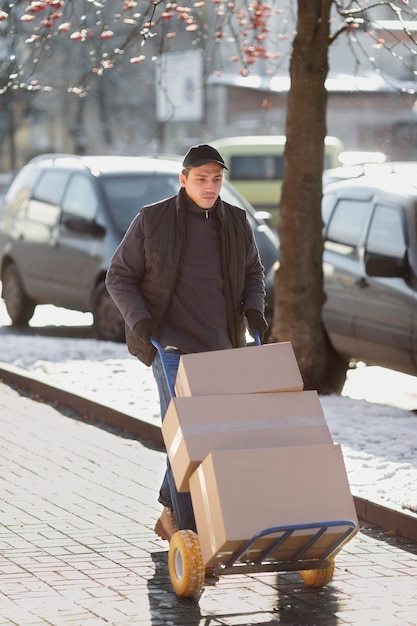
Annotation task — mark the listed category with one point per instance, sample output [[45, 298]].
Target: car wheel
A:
[[19, 307], [108, 322], [335, 372]]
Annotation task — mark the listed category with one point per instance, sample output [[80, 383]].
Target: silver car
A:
[[370, 269], [64, 216]]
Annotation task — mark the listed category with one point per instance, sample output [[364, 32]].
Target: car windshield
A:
[[127, 194]]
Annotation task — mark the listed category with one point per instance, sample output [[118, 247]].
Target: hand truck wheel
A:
[[185, 563], [317, 578]]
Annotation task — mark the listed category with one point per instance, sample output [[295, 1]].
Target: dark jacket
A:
[[164, 241]]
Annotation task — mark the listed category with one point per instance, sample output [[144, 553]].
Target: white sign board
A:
[[179, 89]]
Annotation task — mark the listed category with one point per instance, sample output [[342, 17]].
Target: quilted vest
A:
[[164, 228]]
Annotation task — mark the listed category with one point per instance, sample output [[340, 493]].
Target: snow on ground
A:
[[379, 441]]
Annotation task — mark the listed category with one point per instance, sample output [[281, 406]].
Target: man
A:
[[187, 273]]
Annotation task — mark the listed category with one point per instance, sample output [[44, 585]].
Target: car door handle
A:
[[53, 239], [362, 283]]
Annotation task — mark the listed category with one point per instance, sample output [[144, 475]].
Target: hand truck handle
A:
[[165, 365]]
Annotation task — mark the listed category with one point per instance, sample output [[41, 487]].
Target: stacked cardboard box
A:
[[197, 425], [254, 450], [236, 493], [255, 369]]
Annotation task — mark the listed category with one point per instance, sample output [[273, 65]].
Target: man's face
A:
[[203, 184]]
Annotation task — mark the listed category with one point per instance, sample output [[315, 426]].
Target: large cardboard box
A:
[[236, 493], [253, 369], [195, 426]]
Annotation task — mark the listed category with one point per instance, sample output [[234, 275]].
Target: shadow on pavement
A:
[[165, 606], [74, 332], [280, 598]]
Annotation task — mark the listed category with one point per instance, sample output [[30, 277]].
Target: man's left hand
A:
[[256, 322]]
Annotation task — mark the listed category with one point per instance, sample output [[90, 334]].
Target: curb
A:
[[95, 411], [390, 518]]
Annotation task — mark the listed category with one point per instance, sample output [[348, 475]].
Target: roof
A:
[[111, 164], [400, 183], [372, 82]]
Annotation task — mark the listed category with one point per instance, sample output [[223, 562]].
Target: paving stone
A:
[[78, 504]]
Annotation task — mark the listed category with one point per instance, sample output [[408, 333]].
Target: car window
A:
[[80, 198], [266, 239], [386, 232], [50, 187], [346, 225], [256, 167], [327, 206], [228, 194], [44, 206], [19, 191], [126, 195]]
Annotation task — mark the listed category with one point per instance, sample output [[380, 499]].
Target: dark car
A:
[[370, 269], [64, 216]]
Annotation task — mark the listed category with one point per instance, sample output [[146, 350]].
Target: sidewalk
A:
[[77, 510]]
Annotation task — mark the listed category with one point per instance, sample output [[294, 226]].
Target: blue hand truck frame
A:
[[241, 562]]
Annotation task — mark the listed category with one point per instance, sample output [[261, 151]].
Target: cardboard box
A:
[[195, 426], [253, 369], [237, 493]]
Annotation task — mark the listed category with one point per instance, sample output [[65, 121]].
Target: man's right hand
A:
[[143, 329]]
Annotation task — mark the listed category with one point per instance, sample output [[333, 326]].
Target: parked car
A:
[[347, 172], [64, 216], [256, 165], [5, 181], [370, 269]]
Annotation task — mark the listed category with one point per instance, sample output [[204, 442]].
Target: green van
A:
[[256, 166]]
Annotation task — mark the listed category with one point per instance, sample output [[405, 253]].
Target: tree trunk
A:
[[299, 294]]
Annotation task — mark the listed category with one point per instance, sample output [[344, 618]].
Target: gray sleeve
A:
[[125, 274], [254, 290]]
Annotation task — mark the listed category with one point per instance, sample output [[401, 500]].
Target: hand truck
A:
[[186, 568]]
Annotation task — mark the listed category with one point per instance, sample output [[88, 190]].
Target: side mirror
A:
[[385, 266], [79, 225], [265, 216]]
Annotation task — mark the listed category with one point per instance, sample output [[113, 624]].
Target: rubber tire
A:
[[317, 578], [20, 307], [185, 563], [335, 372], [108, 321]]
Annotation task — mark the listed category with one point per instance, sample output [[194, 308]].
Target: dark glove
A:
[[256, 322], [143, 329]]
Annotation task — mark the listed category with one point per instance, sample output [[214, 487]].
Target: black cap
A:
[[201, 154]]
